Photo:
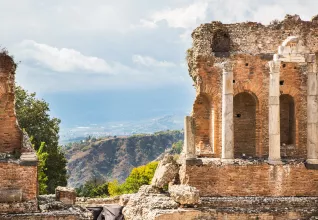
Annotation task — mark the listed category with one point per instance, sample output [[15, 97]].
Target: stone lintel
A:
[[28, 159], [296, 58]]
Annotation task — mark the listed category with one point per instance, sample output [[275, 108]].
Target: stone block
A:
[[66, 195], [184, 194], [165, 173], [10, 195]]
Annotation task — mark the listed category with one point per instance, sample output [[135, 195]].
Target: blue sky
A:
[[106, 60]]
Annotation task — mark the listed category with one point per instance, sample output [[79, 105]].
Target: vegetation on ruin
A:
[[42, 177], [139, 176], [177, 147], [33, 116], [110, 158]]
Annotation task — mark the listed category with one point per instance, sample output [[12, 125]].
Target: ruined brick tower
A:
[[18, 161], [253, 129]]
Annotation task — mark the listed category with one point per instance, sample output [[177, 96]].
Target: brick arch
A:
[[257, 92], [287, 119], [289, 90], [290, 111], [249, 87], [247, 124], [203, 113]]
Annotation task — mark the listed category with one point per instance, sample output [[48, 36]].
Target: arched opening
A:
[[204, 125], [244, 125], [221, 43], [287, 120]]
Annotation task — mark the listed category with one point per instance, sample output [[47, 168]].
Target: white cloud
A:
[[145, 24], [61, 60], [151, 62], [84, 37], [184, 17]]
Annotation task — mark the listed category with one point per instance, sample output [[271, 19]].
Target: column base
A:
[[312, 161], [275, 162]]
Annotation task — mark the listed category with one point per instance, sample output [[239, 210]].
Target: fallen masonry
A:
[[251, 141]]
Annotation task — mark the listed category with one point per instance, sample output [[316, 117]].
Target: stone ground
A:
[[142, 207], [53, 210]]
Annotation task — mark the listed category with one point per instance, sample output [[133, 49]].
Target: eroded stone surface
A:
[[184, 194], [166, 172], [145, 205], [66, 195]]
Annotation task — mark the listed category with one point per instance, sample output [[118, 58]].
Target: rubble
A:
[[184, 194], [146, 204], [166, 172], [66, 195]]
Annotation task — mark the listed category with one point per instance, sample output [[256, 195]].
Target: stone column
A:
[[189, 144], [274, 113], [227, 112], [312, 115]]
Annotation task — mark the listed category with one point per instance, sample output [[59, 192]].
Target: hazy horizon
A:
[[105, 61]]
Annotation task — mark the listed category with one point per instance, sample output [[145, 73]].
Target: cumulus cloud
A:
[[144, 24], [150, 62], [61, 60], [140, 47], [183, 17]]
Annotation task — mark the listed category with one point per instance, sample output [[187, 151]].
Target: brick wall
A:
[[251, 47], [251, 179], [15, 176], [244, 125], [218, 215], [10, 133]]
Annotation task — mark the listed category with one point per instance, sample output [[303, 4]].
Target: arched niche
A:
[[203, 114], [245, 105], [220, 43], [287, 120]]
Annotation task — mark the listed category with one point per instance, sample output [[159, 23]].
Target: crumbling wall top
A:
[[253, 37], [12, 140], [216, 42]]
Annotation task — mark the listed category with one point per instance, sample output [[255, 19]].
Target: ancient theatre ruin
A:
[[253, 129], [18, 161]]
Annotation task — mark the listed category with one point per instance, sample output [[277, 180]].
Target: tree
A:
[[139, 176], [42, 178], [177, 147], [33, 116]]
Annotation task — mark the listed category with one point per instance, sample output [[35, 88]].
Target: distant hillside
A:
[[146, 126], [114, 158]]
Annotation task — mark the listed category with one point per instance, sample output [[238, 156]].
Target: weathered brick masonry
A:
[[18, 161], [22, 177], [255, 109], [10, 133], [251, 179], [249, 46]]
